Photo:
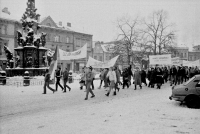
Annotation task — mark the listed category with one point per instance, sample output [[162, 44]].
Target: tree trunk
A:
[[155, 48]]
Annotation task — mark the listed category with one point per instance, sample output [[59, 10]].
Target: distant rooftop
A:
[[181, 48]]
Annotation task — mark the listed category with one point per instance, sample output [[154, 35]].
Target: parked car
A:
[[188, 93]]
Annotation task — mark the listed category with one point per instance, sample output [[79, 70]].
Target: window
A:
[[181, 55], [67, 39], [191, 79], [77, 66], [107, 57], [185, 55], [78, 43], [57, 38], [100, 58], [3, 29], [68, 66], [95, 57]]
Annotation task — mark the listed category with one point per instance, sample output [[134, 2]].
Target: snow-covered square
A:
[[25, 110]]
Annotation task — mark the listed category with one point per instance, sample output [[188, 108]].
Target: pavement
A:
[[144, 111]]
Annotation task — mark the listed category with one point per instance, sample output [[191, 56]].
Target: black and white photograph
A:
[[99, 66]]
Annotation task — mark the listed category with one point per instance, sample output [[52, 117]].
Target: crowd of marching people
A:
[[110, 78]]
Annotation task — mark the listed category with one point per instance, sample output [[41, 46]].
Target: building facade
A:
[[57, 35], [98, 52], [195, 54], [7, 37], [181, 52], [185, 54]]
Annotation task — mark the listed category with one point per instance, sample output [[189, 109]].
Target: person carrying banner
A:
[[89, 78], [46, 82], [58, 76], [65, 80]]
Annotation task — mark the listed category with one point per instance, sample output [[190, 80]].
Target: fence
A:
[[20, 83]]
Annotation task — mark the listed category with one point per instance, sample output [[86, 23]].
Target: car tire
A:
[[193, 101]]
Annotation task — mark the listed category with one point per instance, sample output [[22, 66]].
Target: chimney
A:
[[68, 24], [60, 23]]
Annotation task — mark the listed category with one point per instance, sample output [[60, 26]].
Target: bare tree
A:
[[128, 36], [158, 32]]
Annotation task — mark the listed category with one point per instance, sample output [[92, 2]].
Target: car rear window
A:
[[191, 79]]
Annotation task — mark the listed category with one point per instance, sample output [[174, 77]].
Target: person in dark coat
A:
[[46, 82], [173, 73], [165, 74], [125, 78], [58, 76], [137, 78], [129, 70], [106, 81], [143, 77], [159, 77], [149, 74], [183, 74], [65, 80], [152, 78], [178, 75]]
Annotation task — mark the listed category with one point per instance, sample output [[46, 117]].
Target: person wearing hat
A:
[[65, 80], [89, 78]]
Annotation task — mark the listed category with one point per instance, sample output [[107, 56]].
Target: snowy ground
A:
[[25, 110]]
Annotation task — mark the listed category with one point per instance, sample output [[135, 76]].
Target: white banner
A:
[[78, 54], [98, 64], [160, 59], [176, 61], [192, 63]]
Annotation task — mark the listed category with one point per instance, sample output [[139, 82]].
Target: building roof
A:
[[65, 28], [180, 47]]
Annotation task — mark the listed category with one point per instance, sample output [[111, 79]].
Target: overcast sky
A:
[[98, 17]]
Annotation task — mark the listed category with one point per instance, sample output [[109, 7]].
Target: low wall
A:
[[20, 71]]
